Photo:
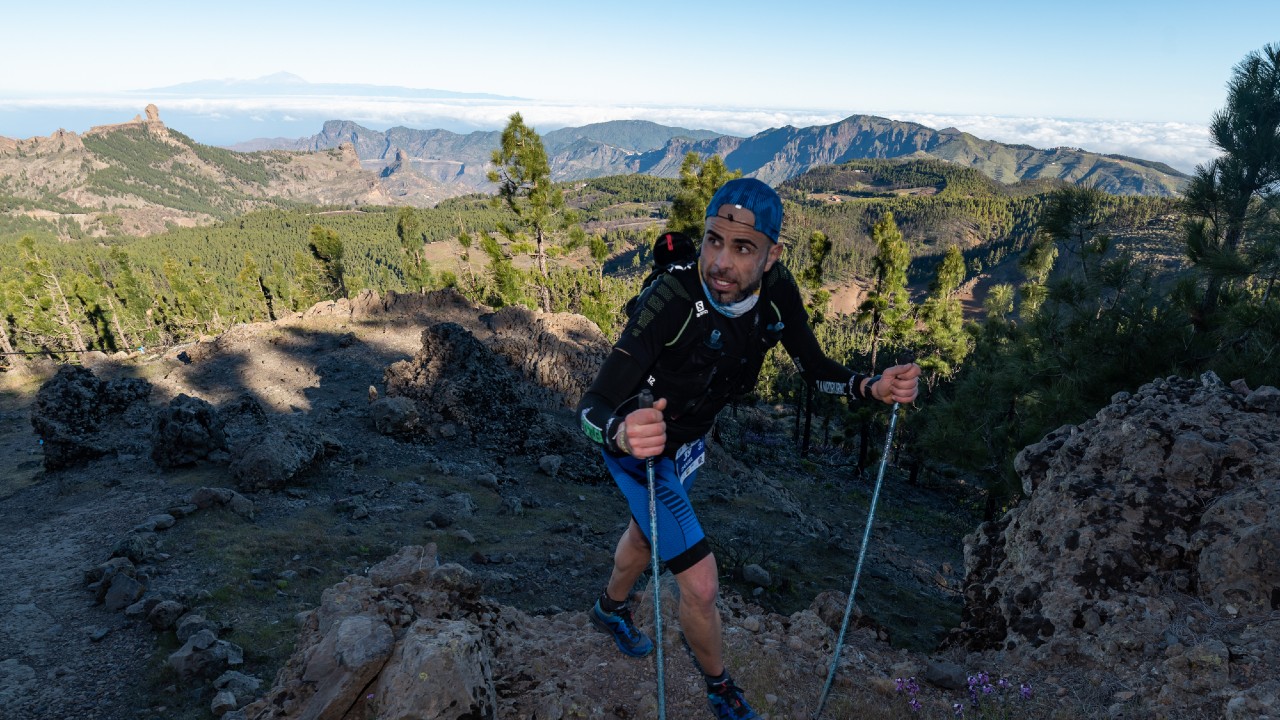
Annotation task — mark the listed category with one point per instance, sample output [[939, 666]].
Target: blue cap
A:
[[751, 194]]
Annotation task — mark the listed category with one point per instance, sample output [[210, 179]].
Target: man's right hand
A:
[[644, 432]]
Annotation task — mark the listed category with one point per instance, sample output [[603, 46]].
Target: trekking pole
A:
[[857, 571], [646, 401]]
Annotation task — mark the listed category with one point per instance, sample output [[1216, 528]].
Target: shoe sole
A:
[[603, 627]]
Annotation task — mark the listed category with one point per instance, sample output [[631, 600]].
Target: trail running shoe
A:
[[727, 702], [628, 638]]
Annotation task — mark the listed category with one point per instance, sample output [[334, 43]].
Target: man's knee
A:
[[635, 539], [699, 585]]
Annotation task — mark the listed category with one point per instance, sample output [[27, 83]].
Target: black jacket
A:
[[678, 345]]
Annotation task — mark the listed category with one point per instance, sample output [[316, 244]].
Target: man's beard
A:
[[743, 293]]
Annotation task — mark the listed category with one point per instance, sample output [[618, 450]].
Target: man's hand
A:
[[898, 384], [644, 432]]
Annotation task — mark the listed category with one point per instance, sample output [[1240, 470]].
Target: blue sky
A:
[[1092, 70]]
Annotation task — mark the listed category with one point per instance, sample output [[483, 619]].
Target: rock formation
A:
[[188, 430], [461, 385], [70, 412], [1148, 546], [416, 639]]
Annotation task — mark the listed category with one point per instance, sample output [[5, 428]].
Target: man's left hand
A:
[[898, 384]]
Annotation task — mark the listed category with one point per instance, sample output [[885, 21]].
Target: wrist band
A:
[[866, 389]]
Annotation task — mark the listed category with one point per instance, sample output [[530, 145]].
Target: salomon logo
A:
[[702, 309]]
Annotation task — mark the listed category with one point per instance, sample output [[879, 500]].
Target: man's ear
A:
[[775, 252]]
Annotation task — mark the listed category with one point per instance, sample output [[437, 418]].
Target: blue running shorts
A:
[[681, 542]]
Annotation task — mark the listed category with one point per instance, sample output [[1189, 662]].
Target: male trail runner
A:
[[698, 337]]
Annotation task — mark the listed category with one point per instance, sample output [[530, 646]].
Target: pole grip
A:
[[646, 398]]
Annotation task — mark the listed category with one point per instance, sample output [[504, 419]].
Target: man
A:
[[696, 338]]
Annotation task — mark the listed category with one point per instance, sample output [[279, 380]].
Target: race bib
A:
[[690, 457]]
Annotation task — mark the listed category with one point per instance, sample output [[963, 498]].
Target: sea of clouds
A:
[[230, 120]]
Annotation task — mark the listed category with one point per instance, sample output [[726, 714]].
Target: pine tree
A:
[[43, 275], [699, 180], [505, 276], [945, 344], [464, 242], [1073, 220], [887, 307], [523, 176], [133, 298], [8, 301], [813, 274], [1232, 200], [599, 253], [417, 273], [251, 293], [326, 248]]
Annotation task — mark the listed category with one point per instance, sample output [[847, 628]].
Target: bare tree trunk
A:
[[11, 356], [64, 315], [115, 319], [542, 269], [266, 296], [541, 256]]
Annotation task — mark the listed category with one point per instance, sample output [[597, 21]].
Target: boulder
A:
[[204, 655], [185, 432], [454, 654], [244, 688], [69, 411], [756, 575], [455, 381], [394, 416], [558, 351], [277, 456], [165, 614], [123, 592]]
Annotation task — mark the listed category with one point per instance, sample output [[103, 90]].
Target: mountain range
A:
[[774, 155], [139, 177]]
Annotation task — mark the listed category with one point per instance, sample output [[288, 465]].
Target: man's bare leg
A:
[[629, 560], [699, 618]]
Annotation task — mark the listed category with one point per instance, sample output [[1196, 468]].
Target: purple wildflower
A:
[[915, 704], [1025, 691], [899, 685], [959, 708]]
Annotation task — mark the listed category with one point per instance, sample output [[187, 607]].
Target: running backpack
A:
[[671, 251]]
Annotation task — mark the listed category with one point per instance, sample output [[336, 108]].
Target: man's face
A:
[[735, 256]]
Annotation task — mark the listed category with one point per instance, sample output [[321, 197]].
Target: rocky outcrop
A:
[[416, 639], [396, 644], [1149, 546], [561, 351], [286, 448], [186, 431], [461, 386], [70, 412]]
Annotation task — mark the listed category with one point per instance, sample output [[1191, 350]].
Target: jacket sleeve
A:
[[819, 371]]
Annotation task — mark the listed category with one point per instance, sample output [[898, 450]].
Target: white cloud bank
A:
[[1182, 145]]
